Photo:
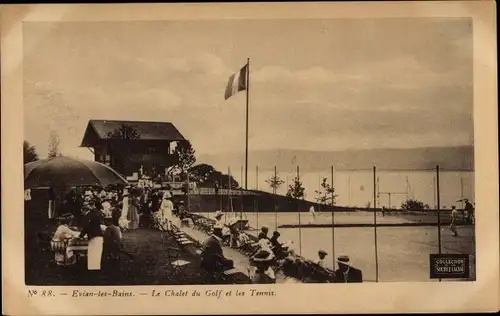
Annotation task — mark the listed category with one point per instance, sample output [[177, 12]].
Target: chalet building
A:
[[128, 146]]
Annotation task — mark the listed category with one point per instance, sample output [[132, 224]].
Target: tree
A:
[[222, 179], [125, 131], [29, 152], [414, 205], [201, 173], [296, 190], [184, 156], [53, 145], [326, 193], [206, 176], [275, 182]]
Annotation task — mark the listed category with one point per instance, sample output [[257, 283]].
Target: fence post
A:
[[333, 222], [298, 209], [375, 219]]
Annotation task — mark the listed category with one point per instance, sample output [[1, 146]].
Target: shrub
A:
[[414, 205]]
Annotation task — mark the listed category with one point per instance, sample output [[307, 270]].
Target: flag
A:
[[237, 82]]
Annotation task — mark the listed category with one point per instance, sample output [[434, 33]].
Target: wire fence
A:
[[319, 218]]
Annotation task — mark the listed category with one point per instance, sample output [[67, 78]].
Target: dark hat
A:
[[343, 259], [321, 251], [264, 228]]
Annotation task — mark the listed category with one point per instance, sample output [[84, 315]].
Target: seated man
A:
[[321, 258], [263, 261], [263, 233], [213, 260], [276, 245], [345, 273]]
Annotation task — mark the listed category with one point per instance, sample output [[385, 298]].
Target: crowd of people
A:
[[97, 217], [267, 257]]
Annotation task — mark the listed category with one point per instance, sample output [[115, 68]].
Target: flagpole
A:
[[246, 138]]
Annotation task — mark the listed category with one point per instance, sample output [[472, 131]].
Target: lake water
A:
[[355, 188]]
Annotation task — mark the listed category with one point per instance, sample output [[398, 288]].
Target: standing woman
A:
[[123, 221], [92, 229], [166, 209], [133, 211]]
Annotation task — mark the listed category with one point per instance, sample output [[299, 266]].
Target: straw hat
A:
[[343, 259], [322, 252], [218, 214]]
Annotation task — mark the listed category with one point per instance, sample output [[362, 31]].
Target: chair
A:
[[177, 265]]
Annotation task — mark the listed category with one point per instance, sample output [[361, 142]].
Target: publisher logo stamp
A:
[[449, 266]]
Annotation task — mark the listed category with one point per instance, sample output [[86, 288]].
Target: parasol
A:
[[63, 171]]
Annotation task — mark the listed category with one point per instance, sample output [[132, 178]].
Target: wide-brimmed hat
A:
[[263, 255], [322, 252], [343, 259], [218, 213]]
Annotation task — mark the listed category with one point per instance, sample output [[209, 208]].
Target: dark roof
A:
[[101, 129]]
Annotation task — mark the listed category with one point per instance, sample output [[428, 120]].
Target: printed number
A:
[[43, 293]]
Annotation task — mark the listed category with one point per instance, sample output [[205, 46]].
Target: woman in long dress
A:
[[166, 209], [133, 213], [123, 222]]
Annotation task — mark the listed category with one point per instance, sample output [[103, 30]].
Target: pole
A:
[[375, 219], [298, 209], [333, 224], [434, 191], [255, 211], [246, 138], [188, 199], [229, 201], [438, 208], [257, 177], [462, 191], [406, 184], [275, 208]]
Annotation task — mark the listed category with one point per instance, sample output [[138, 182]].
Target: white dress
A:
[[312, 213], [166, 209], [123, 221]]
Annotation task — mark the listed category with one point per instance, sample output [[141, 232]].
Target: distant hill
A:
[[407, 158]]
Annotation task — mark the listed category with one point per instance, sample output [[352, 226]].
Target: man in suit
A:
[[213, 260], [346, 273]]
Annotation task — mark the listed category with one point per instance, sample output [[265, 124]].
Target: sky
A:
[[315, 84]]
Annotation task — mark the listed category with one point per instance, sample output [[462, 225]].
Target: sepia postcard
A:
[[249, 158]]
